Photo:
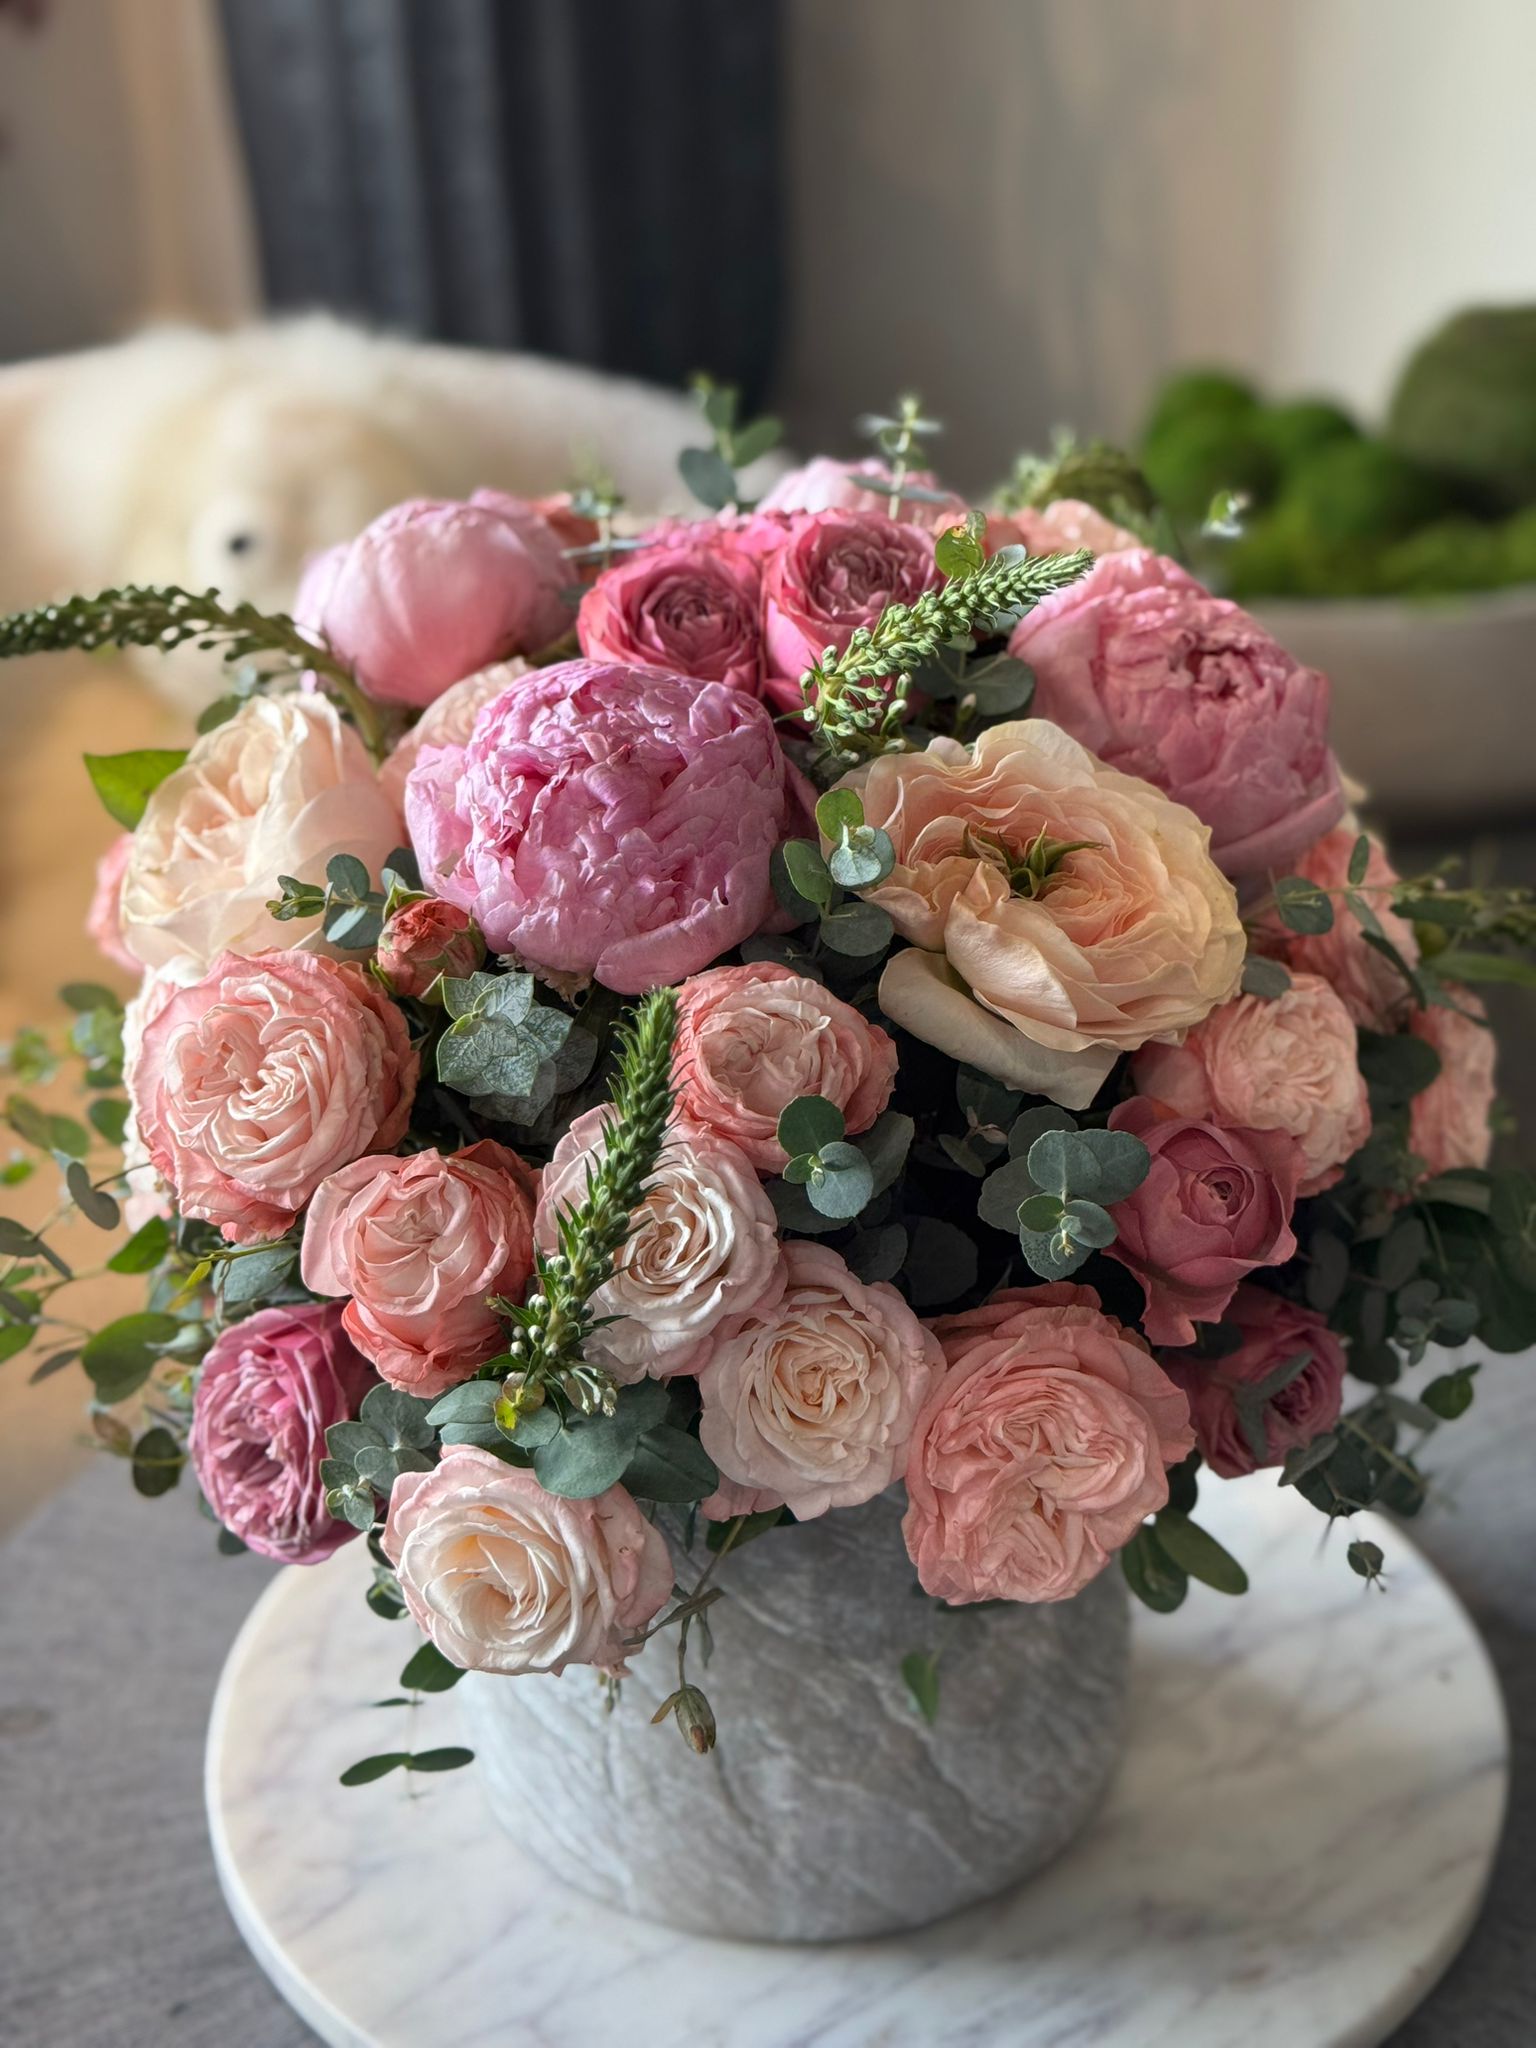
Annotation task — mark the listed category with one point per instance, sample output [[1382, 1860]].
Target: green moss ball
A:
[[1263, 561], [1519, 547], [1199, 395], [1449, 555], [1466, 404], [1356, 493], [1188, 464], [1295, 431]]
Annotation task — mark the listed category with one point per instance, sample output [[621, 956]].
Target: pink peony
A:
[[606, 821], [422, 940], [435, 589], [690, 609], [836, 571], [1215, 1204], [1448, 1122], [704, 1248], [502, 1576], [1275, 1333], [1159, 678], [751, 1039], [104, 919], [255, 1083], [1041, 1451], [1290, 1064], [268, 1390], [419, 1243], [447, 721], [1371, 988], [813, 1398]]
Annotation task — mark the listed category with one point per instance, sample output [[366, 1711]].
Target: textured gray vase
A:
[[829, 1809]]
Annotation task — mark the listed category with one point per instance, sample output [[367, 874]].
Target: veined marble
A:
[[1294, 1850]]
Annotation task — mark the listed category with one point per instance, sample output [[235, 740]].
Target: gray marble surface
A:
[[114, 1620]]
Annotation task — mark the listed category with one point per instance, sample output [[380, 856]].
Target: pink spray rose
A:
[[268, 1390], [1215, 1204], [255, 1083], [447, 722], [606, 821], [1448, 1122], [104, 919], [813, 1398], [1371, 988], [1275, 1332], [1041, 1451], [690, 609], [751, 1039], [836, 571], [420, 941], [1158, 677], [502, 1576], [1290, 1064], [434, 590], [704, 1247], [419, 1243]]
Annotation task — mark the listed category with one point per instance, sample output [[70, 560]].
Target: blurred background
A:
[[1033, 212]]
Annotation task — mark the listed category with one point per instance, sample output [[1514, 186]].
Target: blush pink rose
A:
[[1448, 1122], [104, 919], [730, 1500], [826, 485], [1275, 1332], [692, 610], [835, 571], [813, 1398], [256, 1083], [704, 1248], [447, 721], [1159, 678], [606, 821], [268, 1390], [419, 1243], [1216, 1204], [434, 590], [1290, 1064], [1371, 988], [1042, 1449], [751, 1039], [422, 940], [502, 1576], [1062, 526]]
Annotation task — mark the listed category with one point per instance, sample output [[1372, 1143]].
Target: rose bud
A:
[[425, 939]]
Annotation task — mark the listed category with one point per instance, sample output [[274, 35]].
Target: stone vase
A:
[[830, 1809]]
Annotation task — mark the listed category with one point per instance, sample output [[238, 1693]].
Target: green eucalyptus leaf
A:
[[121, 1357], [808, 1123], [920, 1675], [1034, 1123], [837, 811], [85, 996], [1198, 1553], [857, 929], [94, 1203], [372, 1767], [108, 1115], [1049, 1255], [1451, 1394], [1302, 906], [670, 1465], [1151, 1573], [843, 1183], [1097, 1166], [1041, 1212], [1002, 1193], [430, 1671], [1265, 978], [255, 1274], [157, 1463], [587, 1457], [450, 1758], [1359, 861], [708, 476], [807, 872], [756, 440], [1088, 1224]]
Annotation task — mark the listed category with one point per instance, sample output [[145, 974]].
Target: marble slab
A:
[[1295, 1848]]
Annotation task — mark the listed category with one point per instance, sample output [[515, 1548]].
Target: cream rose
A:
[[1130, 933], [447, 722], [813, 1399], [276, 790], [502, 1576], [704, 1247]]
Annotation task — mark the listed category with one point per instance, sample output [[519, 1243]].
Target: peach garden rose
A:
[[1449, 1121], [1370, 986]]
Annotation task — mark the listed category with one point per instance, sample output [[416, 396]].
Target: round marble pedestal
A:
[[1294, 1850]]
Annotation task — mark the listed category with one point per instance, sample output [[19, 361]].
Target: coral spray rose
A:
[[421, 941]]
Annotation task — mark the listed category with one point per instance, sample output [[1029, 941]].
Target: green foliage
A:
[[157, 1462], [430, 1671], [1465, 404], [126, 782], [428, 1760], [511, 1053], [351, 910], [711, 473], [1189, 462], [883, 1149], [1057, 1186], [1302, 906], [364, 1458], [920, 1675], [121, 1357]]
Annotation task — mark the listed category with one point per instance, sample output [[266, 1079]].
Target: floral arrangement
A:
[[645, 1037]]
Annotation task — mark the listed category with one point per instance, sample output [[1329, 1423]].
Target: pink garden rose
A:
[[268, 1390], [1448, 1122], [1041, 1451], [606, 821], [826, 485], [502, 1576], [1275, 1331], [434, 590], [751, 1039], [257, 1082], [1216, 1204], [704, 1248], [836, 571], [422, 940], [278, 789], [691, 609], [1159, 678], [1290, 1064], [104, 919], [1133, 935], [419, 1243], [1371, 988], [730, 1500], [1063, 526], [447, 722], [813, 1397]]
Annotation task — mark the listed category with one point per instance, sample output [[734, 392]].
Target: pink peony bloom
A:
[[268, 1390], [1041, 1451], [1371, 988], [1448, 1122], [502, 1576], [419, 1243], [751, 1039], [447, 721], [255, 1083], [104, 919], [813, 1398], [435, 589], [1159, 678], [422, 940], [606, 821], [1275, 1331], [690, 609], [826, 485], [836, 571], [1215, 1204], [704, 1247]]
